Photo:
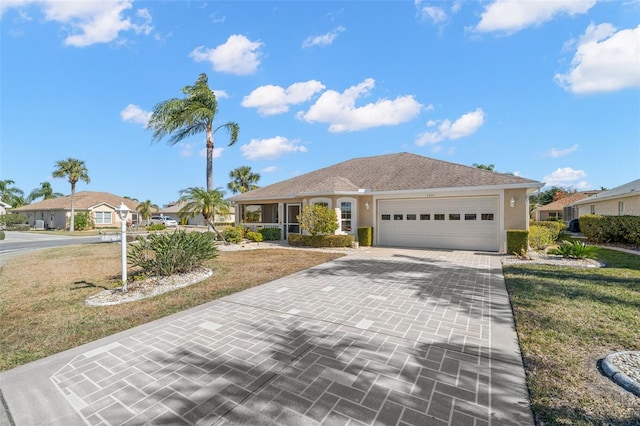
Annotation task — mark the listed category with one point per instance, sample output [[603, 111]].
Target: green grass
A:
[[567, 319]]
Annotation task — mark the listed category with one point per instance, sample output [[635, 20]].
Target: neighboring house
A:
[[562, 208], [55, 212], [4, 207], [198, 220], [621, 200], [409, 200]]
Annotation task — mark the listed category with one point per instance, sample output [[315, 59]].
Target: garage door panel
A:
[[463, 233]]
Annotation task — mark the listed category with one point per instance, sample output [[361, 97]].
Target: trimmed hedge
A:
[[271, 234], [1, 235], [517, 241], [365, 236], [318, 241], [611, 229], [554, 226]]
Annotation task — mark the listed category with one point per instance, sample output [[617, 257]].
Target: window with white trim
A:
[[103, 218], [347, 215]]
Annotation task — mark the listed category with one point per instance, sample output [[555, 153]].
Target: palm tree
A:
[[10, 194], [200, 201], [194, 114], [146, 209], [489, 167], [243, 179], [45, 192], [74, 170]]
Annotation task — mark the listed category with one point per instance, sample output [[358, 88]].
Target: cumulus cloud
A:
[[510, 16], [324, 39], [606, 60], [339, 110], [466, 125], [134, 114], [238, 55], [269, 169], [433, 13], [566, 177], [271, 100], [221, 94], [557, 153], [91, 22], [270, 148]]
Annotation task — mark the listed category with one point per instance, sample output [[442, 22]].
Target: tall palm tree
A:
[[201, 201], [45, 192], [10, 194], [74, 170], [243, 180], [146, 209], [191, 115]]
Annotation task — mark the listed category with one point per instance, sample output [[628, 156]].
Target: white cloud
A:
[[466, 125], [134, 114], [221, 94], [339, 110], [186, 148], [270, 148], [91, 22], [435, 14], [324, 39], [557, 153], [510, 16], [269, 169], [217, 152], [238, 55], [271, 100], [566, 177], [605, 61]]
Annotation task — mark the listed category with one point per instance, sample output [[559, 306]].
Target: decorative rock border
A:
[[624, 369]]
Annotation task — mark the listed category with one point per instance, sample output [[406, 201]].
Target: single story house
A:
[[408, 199], [562, 208], [618, 201], [198, 220], [55, 213], [4, 207]]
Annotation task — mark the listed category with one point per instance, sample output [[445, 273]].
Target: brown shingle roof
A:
[[566, 201], [393, 172], [83, 201]]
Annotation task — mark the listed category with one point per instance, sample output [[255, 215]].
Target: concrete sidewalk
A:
[[384, 336]]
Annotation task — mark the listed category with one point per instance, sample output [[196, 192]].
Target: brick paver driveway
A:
[[384, 336]]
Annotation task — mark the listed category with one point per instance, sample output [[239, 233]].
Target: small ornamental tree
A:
[[318, 219]]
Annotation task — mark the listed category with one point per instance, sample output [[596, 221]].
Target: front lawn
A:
[[568, 319]]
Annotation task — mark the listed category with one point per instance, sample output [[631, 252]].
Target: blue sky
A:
[[548, 90]]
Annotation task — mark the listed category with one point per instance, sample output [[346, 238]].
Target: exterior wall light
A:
[[512, 202], [366, 205], [123, 213]]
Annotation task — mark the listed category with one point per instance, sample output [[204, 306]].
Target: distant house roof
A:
[[628, 189], [84, 200], [560, 204], [393, 172], [5, 205]]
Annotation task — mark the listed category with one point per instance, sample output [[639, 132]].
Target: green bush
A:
[[611, 229], [11, 219], [2, 235], [270, 234], [555, 227], [156, 227], [540, 237], [574, 250], [172, 253], [82, 221], [517, 241], [318, 241], [365, 236], [233, 234], [318, 220], [254, 236], [19, 227]]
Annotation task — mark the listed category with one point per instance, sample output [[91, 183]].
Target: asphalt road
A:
[[16, 243]]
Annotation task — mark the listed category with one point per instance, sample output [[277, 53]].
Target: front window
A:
[[252, 213], [345, 216], [103, 218], [621, 208]]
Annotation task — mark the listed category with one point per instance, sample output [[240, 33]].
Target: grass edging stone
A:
[[618, 376]]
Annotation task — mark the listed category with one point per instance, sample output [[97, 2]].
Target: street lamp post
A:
[[123, 213]]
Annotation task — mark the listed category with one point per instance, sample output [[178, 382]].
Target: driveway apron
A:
[[384, 336]]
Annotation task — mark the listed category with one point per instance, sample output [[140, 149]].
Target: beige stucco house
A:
[[173, 210], [621, 200], [562, 208], [409, 200], [55, 213]]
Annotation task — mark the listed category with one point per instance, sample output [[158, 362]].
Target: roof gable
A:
[[626, 190], [565, 201], [84, 200], [393, 172]]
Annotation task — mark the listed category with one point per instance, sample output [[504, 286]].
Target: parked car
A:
[[167, 221], [574, 225]]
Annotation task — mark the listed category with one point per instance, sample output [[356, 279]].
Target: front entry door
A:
[[292, 226]]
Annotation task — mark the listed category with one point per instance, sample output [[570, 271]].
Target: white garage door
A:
[[466, 223]]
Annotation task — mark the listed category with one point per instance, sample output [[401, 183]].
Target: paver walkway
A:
[[384, 336]]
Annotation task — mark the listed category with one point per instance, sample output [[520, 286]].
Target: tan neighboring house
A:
[[55, 213], [4, 207], [409, 200], [198, 220], [618, 201], [562, 208]]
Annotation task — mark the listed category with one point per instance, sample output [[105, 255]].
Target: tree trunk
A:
[[211, 225], [73, 210], [209, 160]]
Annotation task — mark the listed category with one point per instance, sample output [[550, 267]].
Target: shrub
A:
[[574, 250], [11, 219], [172, 253], [270, 234], [540, 237], [554, 227], [365, 236], [82, 221], [611, 229], [318, 220], [517, 241], [19, 227], [2, 235], [233, 234], [156, 227], [254, 236], [318, 241]]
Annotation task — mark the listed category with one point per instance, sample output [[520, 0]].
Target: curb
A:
[[618, 376]]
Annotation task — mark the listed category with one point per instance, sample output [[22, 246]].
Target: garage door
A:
[[465, 223]]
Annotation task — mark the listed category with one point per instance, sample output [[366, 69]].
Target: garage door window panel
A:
[[425, 216], [438, 216]]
